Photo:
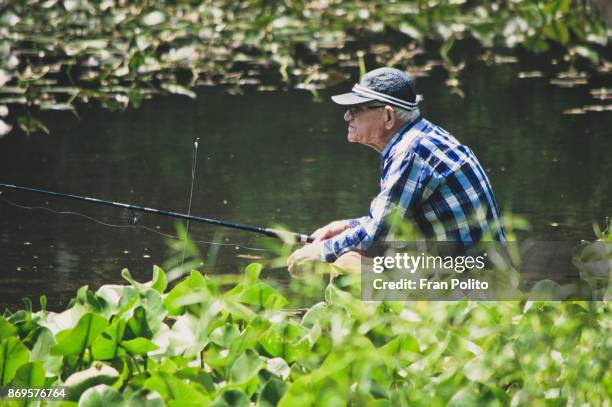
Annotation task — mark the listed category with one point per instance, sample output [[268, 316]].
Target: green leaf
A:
[[178, 90], [135, 96], [153, 18], [401, 348], [89, 301], [314, 314], [81, 336], [247, 340], [99, 373], [30, 375], [478, 370], [197, 375], [252, 272], [466, 396], [136, 62], [139, 346], [278, 367], [106, 346], [172, 388], [224, 335], [30, 124], [263, 295], [562, 32], [445, 49], [106, 349], [557, 31], [238, 310], [160, 281], [557, 6], [194, 282], [119, 298], [232, 398], [146, 319], [144, 398], [286, 341], [272, 392], [100, 396], [41, 352], [6, 329], [127, 276], [345, 300], [300, 394], [245, 367], [42, 345], [13, 354]]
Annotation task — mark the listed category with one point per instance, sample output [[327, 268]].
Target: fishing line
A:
[[16, 205], [194, 163]]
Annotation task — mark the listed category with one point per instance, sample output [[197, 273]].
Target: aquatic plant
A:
[[59, 55], [196, 341]]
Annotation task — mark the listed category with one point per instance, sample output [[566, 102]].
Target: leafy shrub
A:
[[200, 344]]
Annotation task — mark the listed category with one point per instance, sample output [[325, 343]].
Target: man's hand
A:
[[309, 252], [330, 230]]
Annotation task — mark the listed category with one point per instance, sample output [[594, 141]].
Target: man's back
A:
[[446, 193]]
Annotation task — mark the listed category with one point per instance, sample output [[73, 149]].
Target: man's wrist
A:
[[327, 252]]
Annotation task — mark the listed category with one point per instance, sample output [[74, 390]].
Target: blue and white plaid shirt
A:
[[429, 177]]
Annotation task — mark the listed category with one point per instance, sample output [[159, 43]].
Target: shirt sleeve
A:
[[357, 221], [405, 183]]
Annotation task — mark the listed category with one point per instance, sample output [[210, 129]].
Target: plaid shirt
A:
[[429, 177]]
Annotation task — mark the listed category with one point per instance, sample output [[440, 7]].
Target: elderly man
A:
[[427, 177]]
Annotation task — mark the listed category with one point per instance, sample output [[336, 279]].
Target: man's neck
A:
[[385, 140], [402, 127]]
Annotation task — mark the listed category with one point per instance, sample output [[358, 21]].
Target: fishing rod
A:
[[278, 234]]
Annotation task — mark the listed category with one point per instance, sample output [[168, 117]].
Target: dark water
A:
[[280, 157]]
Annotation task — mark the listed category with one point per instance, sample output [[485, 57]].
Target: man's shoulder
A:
[[439, 148], [436, 136]]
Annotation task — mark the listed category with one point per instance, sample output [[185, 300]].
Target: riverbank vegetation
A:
[[63, 55], [194, 339]]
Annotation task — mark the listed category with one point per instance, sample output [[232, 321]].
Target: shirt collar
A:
[[398, 136]]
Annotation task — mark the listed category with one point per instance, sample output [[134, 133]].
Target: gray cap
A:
[[387, 85]]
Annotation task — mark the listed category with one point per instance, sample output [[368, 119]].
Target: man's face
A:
[[365, 123]]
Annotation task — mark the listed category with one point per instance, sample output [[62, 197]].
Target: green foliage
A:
[[100, 396], [97, 374], [196, 345], [76, 340], [30, 375], [13, 354], [56, 55]]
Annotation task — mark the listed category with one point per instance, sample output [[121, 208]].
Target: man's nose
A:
[[348, 116]]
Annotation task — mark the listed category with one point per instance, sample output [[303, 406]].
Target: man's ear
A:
[[390, 118]]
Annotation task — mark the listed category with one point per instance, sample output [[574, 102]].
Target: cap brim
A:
[[350, 98]]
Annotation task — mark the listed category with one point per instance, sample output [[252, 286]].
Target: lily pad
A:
[[153, 18]]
